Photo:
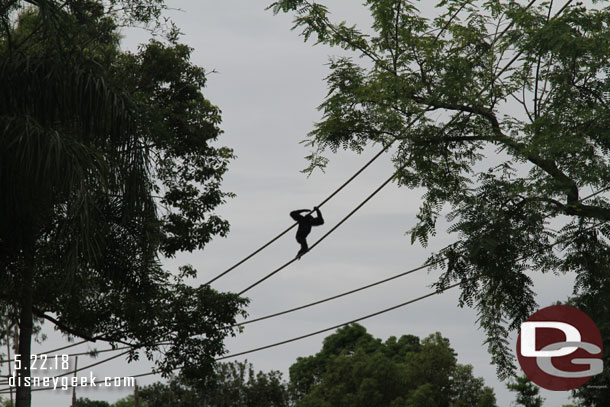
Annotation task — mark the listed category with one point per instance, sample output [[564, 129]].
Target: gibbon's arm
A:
[[319, 220]]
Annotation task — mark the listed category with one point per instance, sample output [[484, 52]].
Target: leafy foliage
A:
[[177, 126], [233, 384], [355, 369], [511, 134], [106, 163], [527, 392]]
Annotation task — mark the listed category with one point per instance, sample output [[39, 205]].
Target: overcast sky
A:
[[268, 84]]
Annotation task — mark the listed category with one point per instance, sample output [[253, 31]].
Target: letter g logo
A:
[[555, 344]]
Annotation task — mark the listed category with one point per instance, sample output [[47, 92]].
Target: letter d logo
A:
[[528, 338], [560, 348]]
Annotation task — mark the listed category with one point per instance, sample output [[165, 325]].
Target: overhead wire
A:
[[320, 239], [368, 163], [449, 123], [595, 193], [430, 294], [311, 304], [334, 297], [254, 253]]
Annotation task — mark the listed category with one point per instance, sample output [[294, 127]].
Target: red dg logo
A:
[[560, 348]]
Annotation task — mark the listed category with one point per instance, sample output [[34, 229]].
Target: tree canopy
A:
[[498, 111], [233, 384], [107, 162], [526, 392], [355, 369]]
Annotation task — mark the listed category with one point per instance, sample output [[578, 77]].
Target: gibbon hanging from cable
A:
[[305, 224]]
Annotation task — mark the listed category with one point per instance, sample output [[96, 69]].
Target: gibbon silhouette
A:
[[305, 224]]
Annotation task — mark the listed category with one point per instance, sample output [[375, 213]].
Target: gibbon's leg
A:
[[302, 240]]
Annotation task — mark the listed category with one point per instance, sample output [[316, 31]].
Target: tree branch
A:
[[573, 205], [65, 328]]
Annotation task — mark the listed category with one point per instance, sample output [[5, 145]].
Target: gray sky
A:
[[268, 85]]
